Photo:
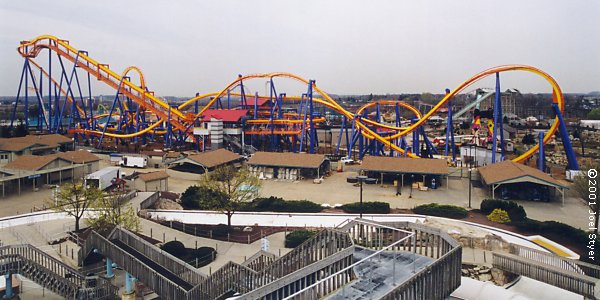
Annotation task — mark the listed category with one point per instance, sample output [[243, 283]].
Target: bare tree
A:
[[233, 187], [75, 199], [111, 212]]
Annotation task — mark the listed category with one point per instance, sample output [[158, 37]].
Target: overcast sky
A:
[[349, 46]]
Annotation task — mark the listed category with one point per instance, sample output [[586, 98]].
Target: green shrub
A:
[[295, 238], [515, 211], [197, 197], [368, 208], [175, 248], [553, 228], [205, 255], [529, 225], [441, 210], [221, 230], [277, 204], [499, 216]]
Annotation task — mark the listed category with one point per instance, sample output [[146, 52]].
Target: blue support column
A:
[[25, 110], [497, 122], [404, 146], [50, 91], [415, 139], [313, 133], [350, 142], [23, 73], [272, 115], [564, 135], [129, 280], [8, 293], [541, 154], [450, 131], [109, 268], [339, 141], [228, 99]]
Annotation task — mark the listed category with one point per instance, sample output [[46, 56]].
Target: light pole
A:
[[412, 179], [470, 184], [360, 180]]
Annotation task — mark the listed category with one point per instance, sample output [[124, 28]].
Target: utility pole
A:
[[470, 185]]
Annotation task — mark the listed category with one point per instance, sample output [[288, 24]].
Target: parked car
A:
[[347, 161]]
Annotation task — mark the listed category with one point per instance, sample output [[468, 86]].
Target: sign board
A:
[[264, 244], [34, 176]]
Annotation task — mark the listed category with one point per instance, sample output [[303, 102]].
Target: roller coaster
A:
[[280, 122]]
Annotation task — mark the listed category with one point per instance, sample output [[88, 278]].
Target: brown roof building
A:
[[213, 159], [198, 163], [11, 148], [152, 176], [404, 165], [388, 168], [153, 181], [287, 160], [288, 165], [78, 157], [30, 162], [48, 141], [512, 173]]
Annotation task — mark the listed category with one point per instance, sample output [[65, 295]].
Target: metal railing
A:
[[362, 231], [578, 283], [53, 274]]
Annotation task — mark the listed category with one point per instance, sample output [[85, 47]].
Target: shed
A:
[[518, 179], [287, 165], [91, 161], [427, 168], [153, 181], [205, 161]]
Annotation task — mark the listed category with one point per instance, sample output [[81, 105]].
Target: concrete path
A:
[[225, 251]]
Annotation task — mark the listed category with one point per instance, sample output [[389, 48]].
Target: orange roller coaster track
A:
[[182, 121]]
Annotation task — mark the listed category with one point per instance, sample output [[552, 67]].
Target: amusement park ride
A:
[[63, 94]]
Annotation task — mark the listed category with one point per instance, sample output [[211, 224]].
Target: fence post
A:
[[171, 222], [228, 237], [248, 239], [150, 232], [195, 231], [163, 237], [183, 227], [196, 244], [210, 233]]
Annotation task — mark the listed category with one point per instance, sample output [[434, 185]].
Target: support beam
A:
[[109, 268], [8, 292], [129, 280]]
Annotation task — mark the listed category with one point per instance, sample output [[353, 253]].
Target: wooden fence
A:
[[54, 275], [565, 279]]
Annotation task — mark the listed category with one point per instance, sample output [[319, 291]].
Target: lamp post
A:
[[360, 180], [412, 179], [470, 184]]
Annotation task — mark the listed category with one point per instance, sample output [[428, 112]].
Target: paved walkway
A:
[[319, 220], [226, 251]]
